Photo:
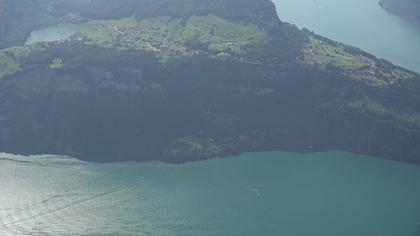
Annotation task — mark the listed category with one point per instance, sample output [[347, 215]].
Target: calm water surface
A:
[[49, 34], [361, 23], [324, 194]]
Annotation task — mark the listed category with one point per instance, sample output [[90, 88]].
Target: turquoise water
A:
[[324, 194], [49, 34], [361, 23]]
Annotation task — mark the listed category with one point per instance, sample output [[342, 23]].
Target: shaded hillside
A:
[[406, 8]]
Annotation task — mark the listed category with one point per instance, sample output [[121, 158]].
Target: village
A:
[[168, 38], [320, 53]]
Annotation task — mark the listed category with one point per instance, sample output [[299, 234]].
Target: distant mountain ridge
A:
[[409, 9]]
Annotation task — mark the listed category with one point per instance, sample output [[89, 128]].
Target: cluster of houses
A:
[[370, 69]]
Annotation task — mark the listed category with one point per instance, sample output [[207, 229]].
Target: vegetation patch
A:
[[355, 63], [10, 58], [369, 105], [413, 118], [57, 63], [171, 37], [8, 64], [221, 34], [322, 53]]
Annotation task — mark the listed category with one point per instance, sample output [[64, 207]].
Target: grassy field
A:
[[219, 33], [328, 56], [166, 37], [322, 53], [169, 36]]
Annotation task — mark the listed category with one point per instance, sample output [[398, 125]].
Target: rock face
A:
[[409, 9], [201, 98]]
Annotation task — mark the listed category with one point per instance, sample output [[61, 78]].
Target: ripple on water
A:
[[218, 197]]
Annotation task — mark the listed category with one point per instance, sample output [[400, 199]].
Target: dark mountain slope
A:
[[409, 9]]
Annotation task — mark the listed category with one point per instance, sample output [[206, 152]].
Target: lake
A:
[[361, 23], [278, 193], [49, 34]]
